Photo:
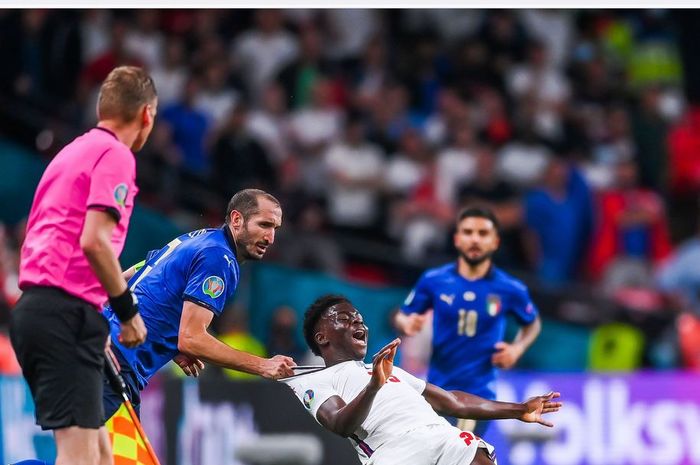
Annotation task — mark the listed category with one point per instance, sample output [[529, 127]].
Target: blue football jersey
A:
[[468, 321], [201, 267]]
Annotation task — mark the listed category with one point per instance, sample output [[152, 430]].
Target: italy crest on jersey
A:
[[213, 286], [493, 304], [308, 399]]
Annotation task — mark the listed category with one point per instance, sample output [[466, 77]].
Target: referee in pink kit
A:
[[75, 232]]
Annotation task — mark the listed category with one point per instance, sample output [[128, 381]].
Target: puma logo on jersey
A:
[[448, 299]]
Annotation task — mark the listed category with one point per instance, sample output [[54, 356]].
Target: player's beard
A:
[[476, 261], [249, 245]]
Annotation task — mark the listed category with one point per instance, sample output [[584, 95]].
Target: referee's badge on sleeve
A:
[[120, 193], [213, 286]]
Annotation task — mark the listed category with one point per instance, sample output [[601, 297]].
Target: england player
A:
[[389, 415], [470, 300], [182, 286]]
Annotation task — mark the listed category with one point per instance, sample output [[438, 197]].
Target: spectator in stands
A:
[[215, 98], [312, 129], [238, 160], [299, 76], [261, 52], [355, 170], [371, 75], [650, 130], [389, 117], [523, 161], [37, 46], [171, 75], [267, 123], [307, 244], [456, 163], [680, 275], [559, 214], [189, 128], [349, 31], [145, 41], [157, 172], [632, 226], [544, 85], [418, 218], [96, 71]]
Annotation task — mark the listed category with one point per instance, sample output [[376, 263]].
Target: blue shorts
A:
[[111, 399]]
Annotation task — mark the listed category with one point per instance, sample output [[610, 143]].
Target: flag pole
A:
[[118, 384]]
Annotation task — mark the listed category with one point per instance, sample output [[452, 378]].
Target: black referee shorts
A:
[[59, 340]]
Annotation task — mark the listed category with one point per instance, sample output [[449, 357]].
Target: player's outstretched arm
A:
[[344, 419], [196, 342], [409, 325], [462, 405]]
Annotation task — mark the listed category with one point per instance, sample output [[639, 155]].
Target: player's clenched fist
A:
[[277, 367], [133, 332]]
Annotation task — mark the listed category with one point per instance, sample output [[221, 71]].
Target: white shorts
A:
[[431, 445]]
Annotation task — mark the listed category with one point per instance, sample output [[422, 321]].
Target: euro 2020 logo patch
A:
[[120, 192], [308, 399], [213, 286]]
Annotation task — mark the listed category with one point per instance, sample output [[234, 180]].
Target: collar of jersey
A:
[[488, 275], [229, 239]]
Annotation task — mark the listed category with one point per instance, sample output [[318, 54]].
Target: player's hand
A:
[[383, 364], [506, 355], [133, 331], [277, 367], [191, 366], [409, 325], [536, 406]]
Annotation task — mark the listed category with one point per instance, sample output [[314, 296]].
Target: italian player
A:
[[389, 415], [182, 286], [470, 300]]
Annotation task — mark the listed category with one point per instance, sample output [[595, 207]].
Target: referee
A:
[[75, 232]]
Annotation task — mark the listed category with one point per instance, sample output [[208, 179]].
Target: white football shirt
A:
[[397, 409]]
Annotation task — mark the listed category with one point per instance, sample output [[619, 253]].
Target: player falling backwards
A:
[[389, 415]]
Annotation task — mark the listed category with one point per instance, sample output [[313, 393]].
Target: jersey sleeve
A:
[[112, 184], [522, 306], [416, 383], [312, 392], [212, 278], [420, 298]]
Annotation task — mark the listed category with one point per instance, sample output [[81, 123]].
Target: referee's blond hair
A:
[[124, 92]]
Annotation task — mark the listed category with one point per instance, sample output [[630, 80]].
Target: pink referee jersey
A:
[[94, 171]]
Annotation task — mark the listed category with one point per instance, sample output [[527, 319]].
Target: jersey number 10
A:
[[467, 322]]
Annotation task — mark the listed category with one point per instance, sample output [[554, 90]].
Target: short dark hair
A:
[[123, 92], [479, 211], [313, 314], [246, 202]]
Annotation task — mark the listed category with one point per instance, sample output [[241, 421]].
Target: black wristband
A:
[[124, 305]]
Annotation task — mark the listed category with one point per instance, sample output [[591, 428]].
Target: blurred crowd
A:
[[374, 127]]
